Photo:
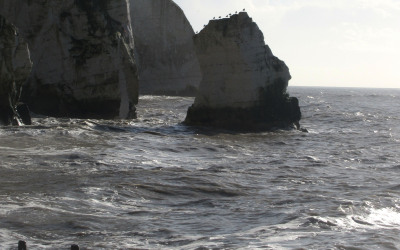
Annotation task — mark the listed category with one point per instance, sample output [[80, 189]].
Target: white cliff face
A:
[[15, 63], [83, 57], [237, 65], [244, 84], [15, 67], [165, 51]]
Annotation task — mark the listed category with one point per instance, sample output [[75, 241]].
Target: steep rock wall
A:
[[244, 84], [83, 57], [165, 50], [15, 67]]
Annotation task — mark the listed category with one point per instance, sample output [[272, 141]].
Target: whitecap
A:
[[384, 217], [368, 218]]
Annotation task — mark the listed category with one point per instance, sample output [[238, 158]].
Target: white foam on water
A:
[[147, 97], [8, 239], [6, 208], [369, 217], [384, 217]]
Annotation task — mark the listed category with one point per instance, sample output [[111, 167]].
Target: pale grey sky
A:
[[346, 43]]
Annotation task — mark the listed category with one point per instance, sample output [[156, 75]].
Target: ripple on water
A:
[[153, 183]]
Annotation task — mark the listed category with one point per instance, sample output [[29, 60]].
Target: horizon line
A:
[[354, 87]]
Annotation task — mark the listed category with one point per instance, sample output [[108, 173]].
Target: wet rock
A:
[[24, 113], [83, 55], [15, 67], [21, 245], [244, 85], [74, 247], [165, 50]]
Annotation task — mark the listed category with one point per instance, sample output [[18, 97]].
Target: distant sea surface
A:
[[153, 183]]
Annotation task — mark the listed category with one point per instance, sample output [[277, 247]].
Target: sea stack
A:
[[15, 67], [165, 52], [83, 56], [244, 85]]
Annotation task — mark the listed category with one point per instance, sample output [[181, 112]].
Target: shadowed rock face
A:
[[244, 85], [83, 57], [165, 50], [15, 67]]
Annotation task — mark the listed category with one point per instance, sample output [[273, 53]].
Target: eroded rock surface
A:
[[244, 85], [83, 57], [165, 50], [15, 67]]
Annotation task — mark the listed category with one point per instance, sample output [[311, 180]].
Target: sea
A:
[[154, 183]]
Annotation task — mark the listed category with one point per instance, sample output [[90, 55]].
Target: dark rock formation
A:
[[74, 247], [166, 56], [21, 245], [15, 67], [244, 85], [83, 57]]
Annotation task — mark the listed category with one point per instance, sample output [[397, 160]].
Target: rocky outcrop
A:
[[83, 55], [165, 50], [244, 85], [15, 67]]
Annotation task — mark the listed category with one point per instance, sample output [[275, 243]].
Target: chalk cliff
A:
[[244, 85], [82, 51], [15, 67], [165, 50]]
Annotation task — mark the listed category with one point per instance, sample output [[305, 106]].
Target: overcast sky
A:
[[347, 43]]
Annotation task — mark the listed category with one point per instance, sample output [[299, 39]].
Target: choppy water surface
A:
[[152, 183]]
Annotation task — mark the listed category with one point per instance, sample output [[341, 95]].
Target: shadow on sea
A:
[[180, 128]]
